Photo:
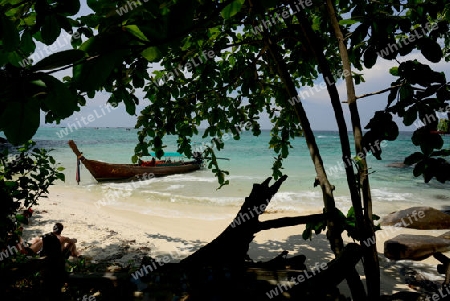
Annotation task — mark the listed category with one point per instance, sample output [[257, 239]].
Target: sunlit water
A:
[[250, 161]]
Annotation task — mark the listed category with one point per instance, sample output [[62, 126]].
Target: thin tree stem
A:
[[371, 264]]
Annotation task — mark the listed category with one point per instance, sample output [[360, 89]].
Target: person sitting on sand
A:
[[68, 246]]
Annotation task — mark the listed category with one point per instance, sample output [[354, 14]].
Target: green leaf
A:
[[442, 152], [414, 158], [60, 100], [232, 9], [419, 168], [17, 60], [64, 23], [26, 43], [153, 31], [370, 58], [426, 140], [11, 37], [94, 4], [130, 106], [50, 30], [152, 54], [347, 22], [435, 141], [307, 233], [61, 177], [135, 31], [30, 20], [59, 59], [351, 212], [87, 45], [392, 95], [93, 73], [406, 93], [410, 116], [418, 136], [431, 50], [394, 71], [284, 151], [20, 120], [68, 7], [21, 219]]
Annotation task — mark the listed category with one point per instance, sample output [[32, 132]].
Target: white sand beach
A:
[[108, 234]]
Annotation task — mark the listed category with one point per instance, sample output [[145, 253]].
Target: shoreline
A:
[[113, 235]]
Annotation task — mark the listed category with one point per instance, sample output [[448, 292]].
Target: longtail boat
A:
[[103, 171]]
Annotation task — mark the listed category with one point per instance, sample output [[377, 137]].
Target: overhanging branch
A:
[[375, 93], [290, 221]]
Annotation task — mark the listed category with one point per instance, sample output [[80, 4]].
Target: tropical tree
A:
[[223, 63], [25, 176]]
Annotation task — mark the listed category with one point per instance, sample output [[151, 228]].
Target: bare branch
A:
[[375, 93], [290, 221]]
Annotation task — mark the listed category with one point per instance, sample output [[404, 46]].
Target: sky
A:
[[315, 101]]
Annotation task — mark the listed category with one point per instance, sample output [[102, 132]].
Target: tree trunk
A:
[[231, 246], [334, 235], [229, 250], [371, 264], [327, 189], [316, 48]]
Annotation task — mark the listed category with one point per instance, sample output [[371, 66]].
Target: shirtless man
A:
[[68, 246]]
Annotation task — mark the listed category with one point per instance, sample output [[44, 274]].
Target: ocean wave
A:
[[175, 187], [250, 178], [164, 196], [185, 178], [131, 185], [157, 193], [222, 201], [282, 201], [384, 194]]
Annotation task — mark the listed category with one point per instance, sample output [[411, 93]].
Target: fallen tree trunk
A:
[[231, 246], [221, 265], [277, 279]]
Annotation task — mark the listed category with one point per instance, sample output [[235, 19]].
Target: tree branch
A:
[[375, 93], [364, 221], [290, 221]]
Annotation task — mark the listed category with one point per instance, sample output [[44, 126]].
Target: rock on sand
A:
[[423, 218], [415, 247]]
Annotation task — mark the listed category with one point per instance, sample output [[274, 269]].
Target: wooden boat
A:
[[103, 171]]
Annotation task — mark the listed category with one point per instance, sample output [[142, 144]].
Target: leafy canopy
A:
[[25, 176], [207, 63]]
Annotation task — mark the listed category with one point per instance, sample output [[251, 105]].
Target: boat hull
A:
[[103, 171]]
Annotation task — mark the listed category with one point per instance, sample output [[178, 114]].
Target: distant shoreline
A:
[[133, 128]]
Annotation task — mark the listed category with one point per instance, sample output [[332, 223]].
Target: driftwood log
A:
[[228, 253], [231, 246]]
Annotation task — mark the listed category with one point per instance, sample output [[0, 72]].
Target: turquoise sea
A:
[[250, 162]]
